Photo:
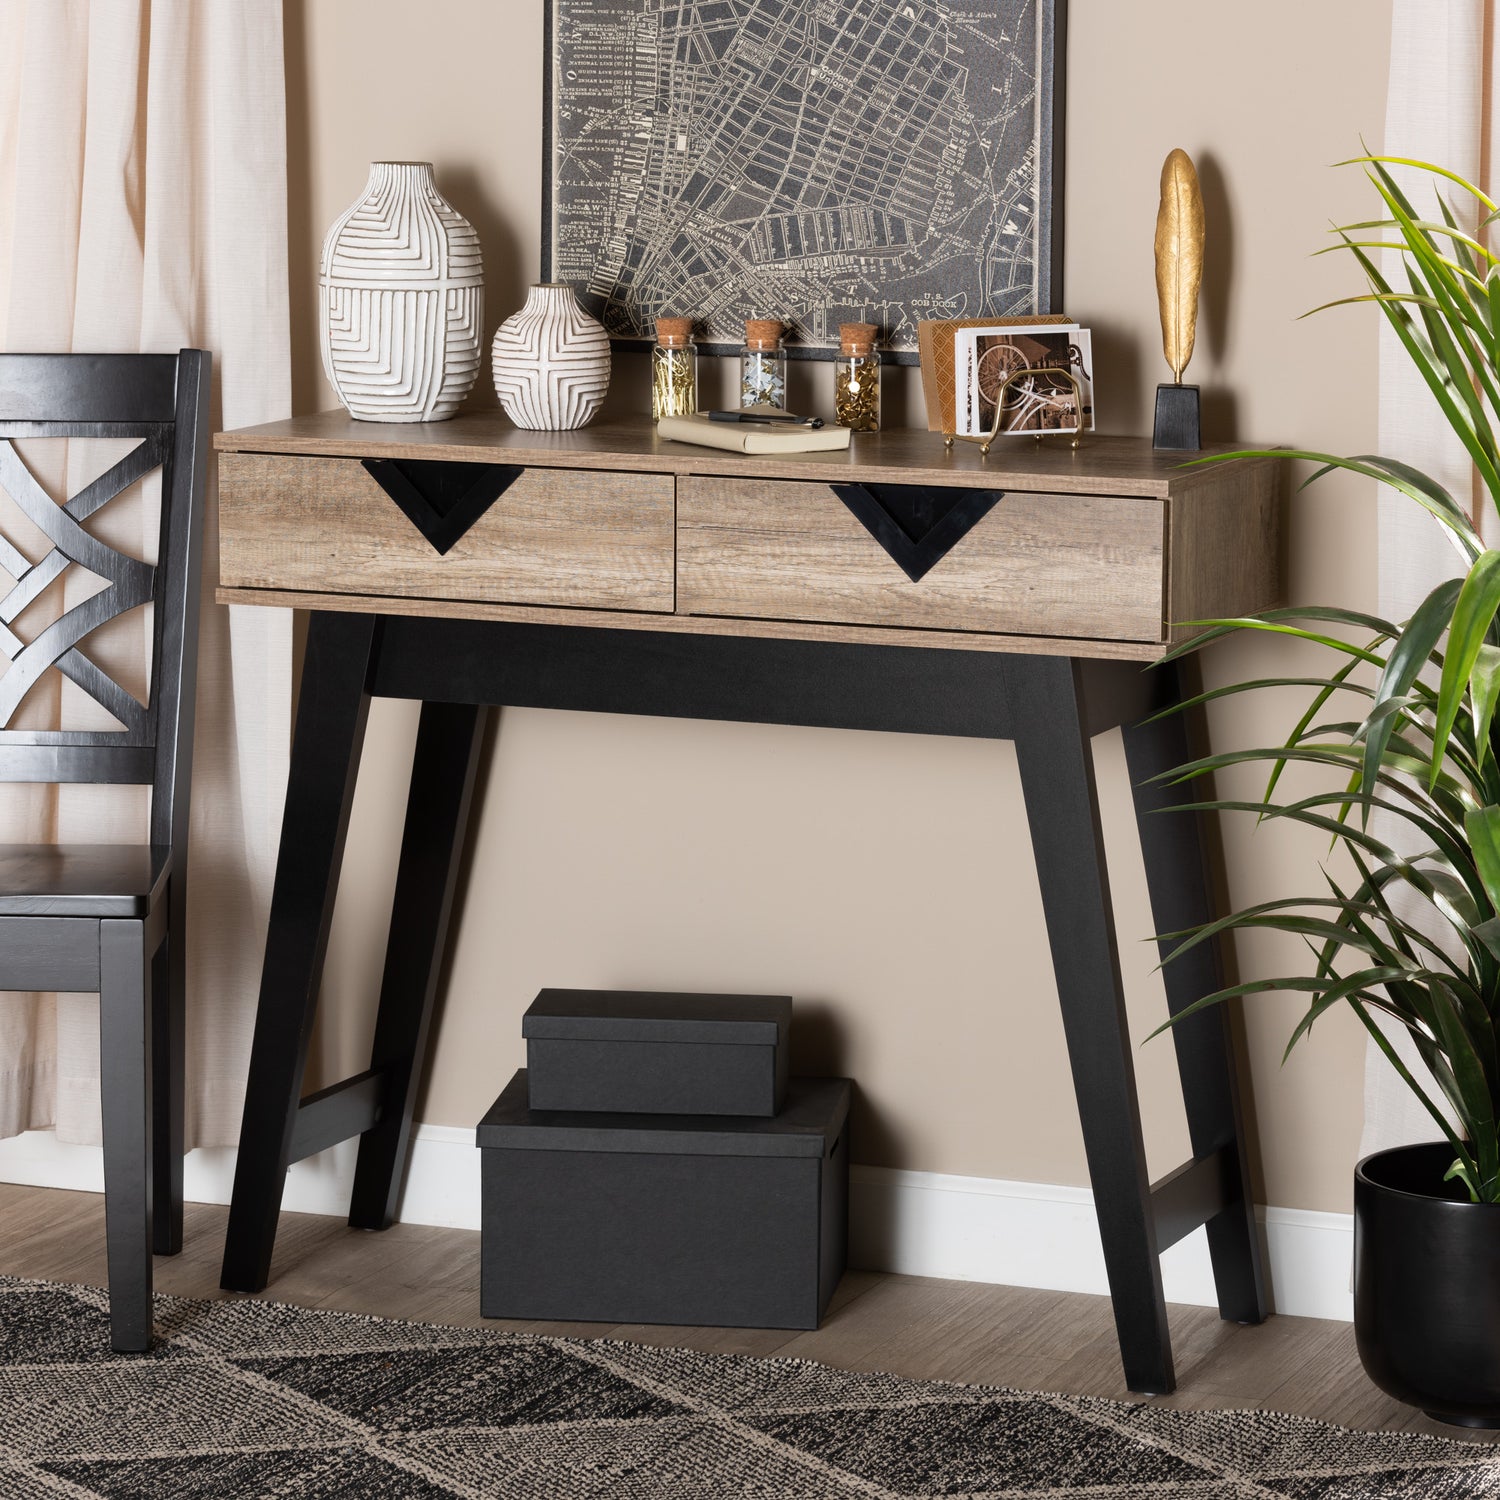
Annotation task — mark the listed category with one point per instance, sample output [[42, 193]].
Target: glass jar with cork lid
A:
[[856, 383], [674, 370], [763, 365]]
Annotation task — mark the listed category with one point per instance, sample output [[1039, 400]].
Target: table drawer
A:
[[577, 537], [1036, 564]]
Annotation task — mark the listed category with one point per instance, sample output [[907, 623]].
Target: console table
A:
[[897, 586]]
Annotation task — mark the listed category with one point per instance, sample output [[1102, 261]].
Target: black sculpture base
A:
[[1178, 418]]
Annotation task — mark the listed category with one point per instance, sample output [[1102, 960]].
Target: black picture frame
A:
[[1051, 20]]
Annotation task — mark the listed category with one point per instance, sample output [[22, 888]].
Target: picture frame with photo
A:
[[1029, 367]]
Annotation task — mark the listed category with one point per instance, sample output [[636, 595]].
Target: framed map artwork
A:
[[820, 161]]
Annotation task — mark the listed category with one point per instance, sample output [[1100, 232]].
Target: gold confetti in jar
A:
[[856, 384], [763, 365], [674, 369]]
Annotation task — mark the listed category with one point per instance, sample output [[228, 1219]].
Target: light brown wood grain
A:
[[600, 540], [1224, 547], [678, 624], [1088, 553], [1036, 564], [1102, 464]]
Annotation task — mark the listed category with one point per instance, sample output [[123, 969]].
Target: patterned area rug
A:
[[244, 1399]]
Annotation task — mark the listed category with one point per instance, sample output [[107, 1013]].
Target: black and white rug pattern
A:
[[244, 1399]]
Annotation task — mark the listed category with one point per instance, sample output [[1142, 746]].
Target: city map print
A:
[[820, 161]]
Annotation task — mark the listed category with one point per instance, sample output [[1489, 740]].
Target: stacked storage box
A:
[[653, 1163]]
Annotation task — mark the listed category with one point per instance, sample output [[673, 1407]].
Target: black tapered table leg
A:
[[1056, 763], [1177, 878], [169, 1074], [331, 714], [125, 1045], [437, 817]]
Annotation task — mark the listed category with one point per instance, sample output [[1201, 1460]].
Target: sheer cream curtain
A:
[[1439, 109], [143, 207]]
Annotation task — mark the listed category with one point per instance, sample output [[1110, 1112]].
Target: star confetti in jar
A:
[[763, 365]]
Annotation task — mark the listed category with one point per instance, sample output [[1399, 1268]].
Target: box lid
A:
[[807, 1126], [650, 1016]]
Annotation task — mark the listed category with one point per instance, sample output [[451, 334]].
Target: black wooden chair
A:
[[102, 917]]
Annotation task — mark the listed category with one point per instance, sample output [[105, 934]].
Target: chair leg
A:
[[125, 1043], [168, 1048]]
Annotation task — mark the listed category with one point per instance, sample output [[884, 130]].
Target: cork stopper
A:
[[857, 338], [762, 333], [674, 333]]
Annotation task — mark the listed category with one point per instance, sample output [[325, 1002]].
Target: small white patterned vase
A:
[[551, 361], [401, 297]]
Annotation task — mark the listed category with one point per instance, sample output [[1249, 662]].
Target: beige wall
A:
[[633, 852]]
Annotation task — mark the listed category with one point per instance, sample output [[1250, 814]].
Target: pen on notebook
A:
[[757, 416]]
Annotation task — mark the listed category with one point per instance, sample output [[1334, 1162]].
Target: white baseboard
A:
[[914, 1223], [442, 1186], [1035, 1234]]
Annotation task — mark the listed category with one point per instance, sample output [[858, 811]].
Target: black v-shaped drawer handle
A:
[[917, 524], [442, 499]]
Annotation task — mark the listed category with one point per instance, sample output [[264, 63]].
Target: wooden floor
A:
[[912, 1326]]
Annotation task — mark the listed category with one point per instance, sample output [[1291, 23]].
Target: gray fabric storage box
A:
[[665, 1219], [638, 1052]]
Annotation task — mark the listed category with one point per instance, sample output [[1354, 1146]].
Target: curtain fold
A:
[[143, 207], [1437, 110]]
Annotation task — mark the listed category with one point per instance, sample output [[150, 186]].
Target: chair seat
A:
[[82, 880]]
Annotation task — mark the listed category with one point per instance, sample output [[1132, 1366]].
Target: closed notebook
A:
[[745, 437]]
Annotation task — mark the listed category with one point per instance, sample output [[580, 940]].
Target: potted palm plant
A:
[[1401, 726]]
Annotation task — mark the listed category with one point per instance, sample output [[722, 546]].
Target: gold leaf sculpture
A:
[[1179, 258]]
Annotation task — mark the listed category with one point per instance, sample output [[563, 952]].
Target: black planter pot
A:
[[1427, 1286]]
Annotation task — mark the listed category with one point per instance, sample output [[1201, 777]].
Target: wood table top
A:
[[1101, 464]]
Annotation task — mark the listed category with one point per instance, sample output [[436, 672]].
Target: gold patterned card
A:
[[936, 346]]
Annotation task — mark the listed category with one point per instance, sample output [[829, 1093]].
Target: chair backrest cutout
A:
[[160, 402]]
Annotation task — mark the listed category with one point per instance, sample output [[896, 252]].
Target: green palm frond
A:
[[1419, 743]]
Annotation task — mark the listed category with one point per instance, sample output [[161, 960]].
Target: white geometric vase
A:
[[551, 361], [401, 300]]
